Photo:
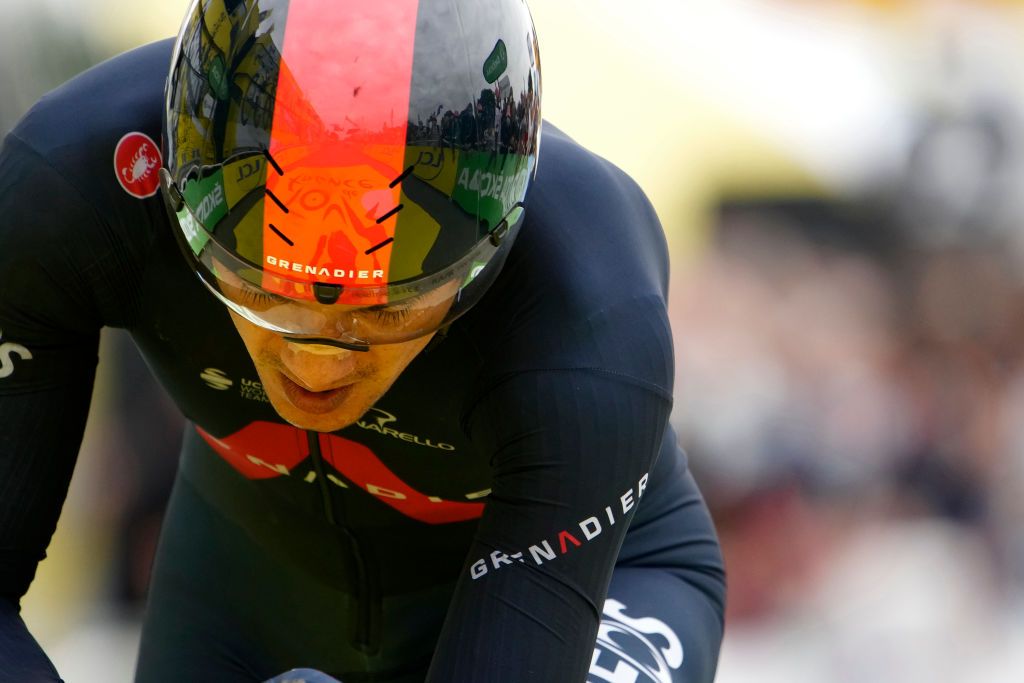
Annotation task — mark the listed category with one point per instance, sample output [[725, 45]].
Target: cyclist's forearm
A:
[[42, 416]]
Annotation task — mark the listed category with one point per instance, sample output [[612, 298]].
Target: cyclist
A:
[[428, 367]]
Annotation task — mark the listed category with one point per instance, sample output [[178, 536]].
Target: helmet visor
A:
[[302, 307]]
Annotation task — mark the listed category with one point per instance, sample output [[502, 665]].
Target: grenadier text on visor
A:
[[320, 271]]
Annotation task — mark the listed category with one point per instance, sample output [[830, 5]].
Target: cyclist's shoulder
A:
[[591, 237], [567, 165], [586, 282], [593, 213], [78, 186], [77, 128]]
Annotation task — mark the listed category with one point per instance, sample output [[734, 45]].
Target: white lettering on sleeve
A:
[[6, 351], [627, 501], [478, 569], [499, 558], [546, 552], [591, 528]]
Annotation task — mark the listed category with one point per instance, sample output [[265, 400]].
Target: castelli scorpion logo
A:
[[136, 162], [141, 166]]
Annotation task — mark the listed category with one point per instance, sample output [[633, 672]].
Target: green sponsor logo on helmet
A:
[[196, 236], [490, 185], [217, 76], [207, 206], [496, 62]]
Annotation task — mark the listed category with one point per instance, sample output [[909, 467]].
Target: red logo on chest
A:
[[265, 450], [137, 164]]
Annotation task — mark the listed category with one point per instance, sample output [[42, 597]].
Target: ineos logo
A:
[[6, 351], [216, 379], [643, 649]]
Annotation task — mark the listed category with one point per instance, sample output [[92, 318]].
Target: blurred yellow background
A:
[[840, 183]]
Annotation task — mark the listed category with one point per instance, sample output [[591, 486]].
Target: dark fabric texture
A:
[[465, 530]]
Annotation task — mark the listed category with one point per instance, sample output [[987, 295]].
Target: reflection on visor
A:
[[410, 318], [411, 310], [353, 316]]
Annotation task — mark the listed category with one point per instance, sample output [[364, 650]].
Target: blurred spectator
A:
[[40, 48], [146, 429], [852, 408]]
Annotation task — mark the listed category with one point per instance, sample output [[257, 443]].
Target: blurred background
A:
[[842, 187]]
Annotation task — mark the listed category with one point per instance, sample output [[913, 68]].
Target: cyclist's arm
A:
[[49, 333], [571, 450], [20, 655]]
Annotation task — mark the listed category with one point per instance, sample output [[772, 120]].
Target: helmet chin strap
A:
[[328, 342]]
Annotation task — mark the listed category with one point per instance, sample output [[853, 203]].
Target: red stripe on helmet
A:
[[338, 138]]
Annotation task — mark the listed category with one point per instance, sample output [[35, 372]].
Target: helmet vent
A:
[[276, 200], [390, 213], [379, 246], [281, 235], [405, 174], [273, 163]]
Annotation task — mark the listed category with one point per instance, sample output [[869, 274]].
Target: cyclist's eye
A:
[[257, 299], [391, 316]]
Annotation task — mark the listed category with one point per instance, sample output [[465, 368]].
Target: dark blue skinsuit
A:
[[467, 529]]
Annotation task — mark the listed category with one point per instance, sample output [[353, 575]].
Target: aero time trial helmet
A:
[[351, 170]]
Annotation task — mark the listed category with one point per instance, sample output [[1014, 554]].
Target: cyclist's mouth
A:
[[316, 402]]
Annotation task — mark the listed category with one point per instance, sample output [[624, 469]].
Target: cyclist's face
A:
[[323, 388]]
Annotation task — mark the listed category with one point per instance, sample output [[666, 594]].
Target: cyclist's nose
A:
[[319, 367]]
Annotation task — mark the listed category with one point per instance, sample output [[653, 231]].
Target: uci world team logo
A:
[[137, 163], [633, 649], [216, 379], [7, 353]]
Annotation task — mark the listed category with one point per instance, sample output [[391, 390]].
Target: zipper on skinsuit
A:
[[366, 636]]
